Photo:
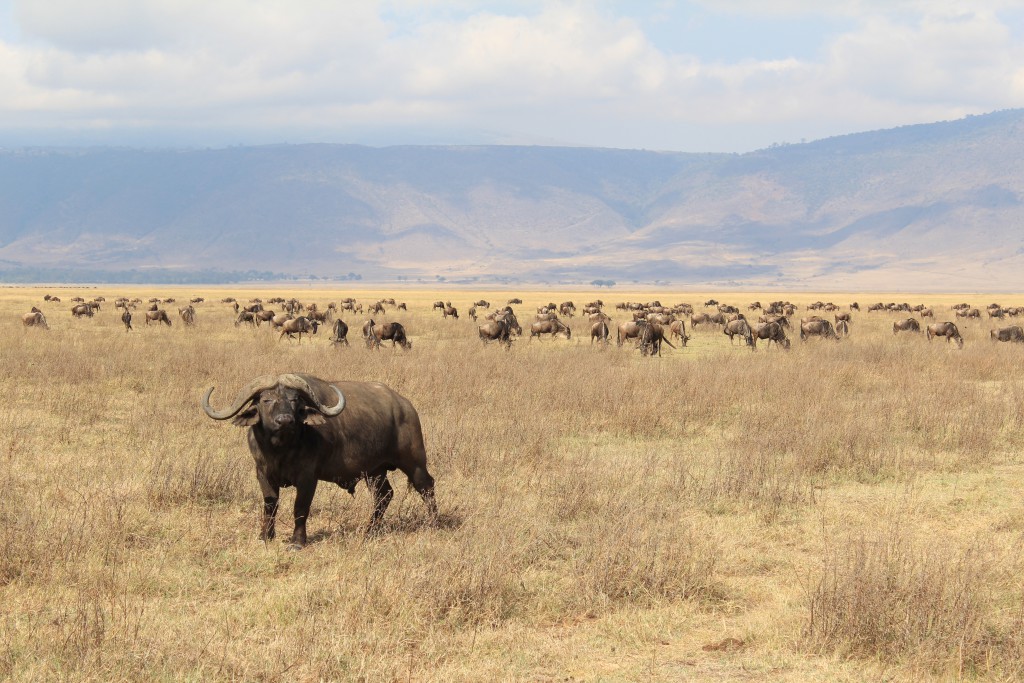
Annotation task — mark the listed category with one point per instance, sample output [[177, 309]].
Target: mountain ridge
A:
[[927, 205]]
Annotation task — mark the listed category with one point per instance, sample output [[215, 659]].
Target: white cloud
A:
[[576, 72]]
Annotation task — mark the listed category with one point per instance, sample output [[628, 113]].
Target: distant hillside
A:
[[929, 206]]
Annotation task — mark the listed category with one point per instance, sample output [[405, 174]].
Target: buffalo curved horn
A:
[[244, 396], [298, 382]]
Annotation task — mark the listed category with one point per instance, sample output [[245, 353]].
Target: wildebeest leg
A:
[[271, 493], [382, 493], [304, 491]]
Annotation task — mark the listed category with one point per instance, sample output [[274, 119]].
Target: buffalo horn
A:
[[297, 382], [244, 396]]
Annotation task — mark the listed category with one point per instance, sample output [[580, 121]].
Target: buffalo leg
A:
[[303, 500], [271, 493], [382, 493]]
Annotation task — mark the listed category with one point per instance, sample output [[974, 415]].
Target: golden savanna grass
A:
[[844, 511]]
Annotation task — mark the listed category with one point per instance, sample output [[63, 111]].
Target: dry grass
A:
[[835, 513]]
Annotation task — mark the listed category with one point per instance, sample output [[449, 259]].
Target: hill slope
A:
[[931, 206]]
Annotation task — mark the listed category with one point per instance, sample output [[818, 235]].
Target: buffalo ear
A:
[[313, 417], [247, 418]]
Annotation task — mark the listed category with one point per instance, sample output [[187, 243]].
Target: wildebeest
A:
[[927, 313], [552, 327], [515, 300], [35, 318], [907, 325], [817, 328], [772, 332], [159, 316], [843, 328], [438, 305], [303, 430], [1013, 333], [377, 307], [246, 317], [472, 313], [82, 309], [374, 334], [599, 331], [649, 338], [500, 330], [188, 315], [450, 311], [741, 328], [339, 335], [298, 326], [968, 313], [482, 303], [126, 320], [947, 330]]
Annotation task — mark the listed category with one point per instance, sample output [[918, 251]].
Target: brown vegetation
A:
[[839, 512]]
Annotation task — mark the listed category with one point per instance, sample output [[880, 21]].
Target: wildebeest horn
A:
[[244, 396], [297, 382]]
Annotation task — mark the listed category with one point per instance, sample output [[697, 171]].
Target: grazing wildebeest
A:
[[817, 328], [552, 327], [196, 300], [772, 332], [188, 315], [599, 331], [907, 325], [246, 317], [376, 308], [158, 316], [264, 316], [82, 309], [968, 313], [843, 328], [298, 326], [340, 333], [567, 308], [1013, 333], [741, 328], [126, 320], [374, 334], [35, 318], [650, 337], [500, 330], [482, 303], [699, 319], [629, 329], [677, 328], [772, 318], [843, 316], [451, 311], [947, 330], [472, 313], [297, 438], [437, 305], [927, 313], [516, 300]]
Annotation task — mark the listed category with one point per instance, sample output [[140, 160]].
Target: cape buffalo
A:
[[304, 430]]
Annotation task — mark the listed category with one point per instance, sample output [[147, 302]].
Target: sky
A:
[[692, 76]]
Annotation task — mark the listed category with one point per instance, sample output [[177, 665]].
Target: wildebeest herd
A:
[[303, 430], [647, 326]]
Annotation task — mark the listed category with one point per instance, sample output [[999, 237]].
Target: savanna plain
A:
[[848, 510]]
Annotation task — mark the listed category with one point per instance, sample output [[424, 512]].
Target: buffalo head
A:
[[279, 404]]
